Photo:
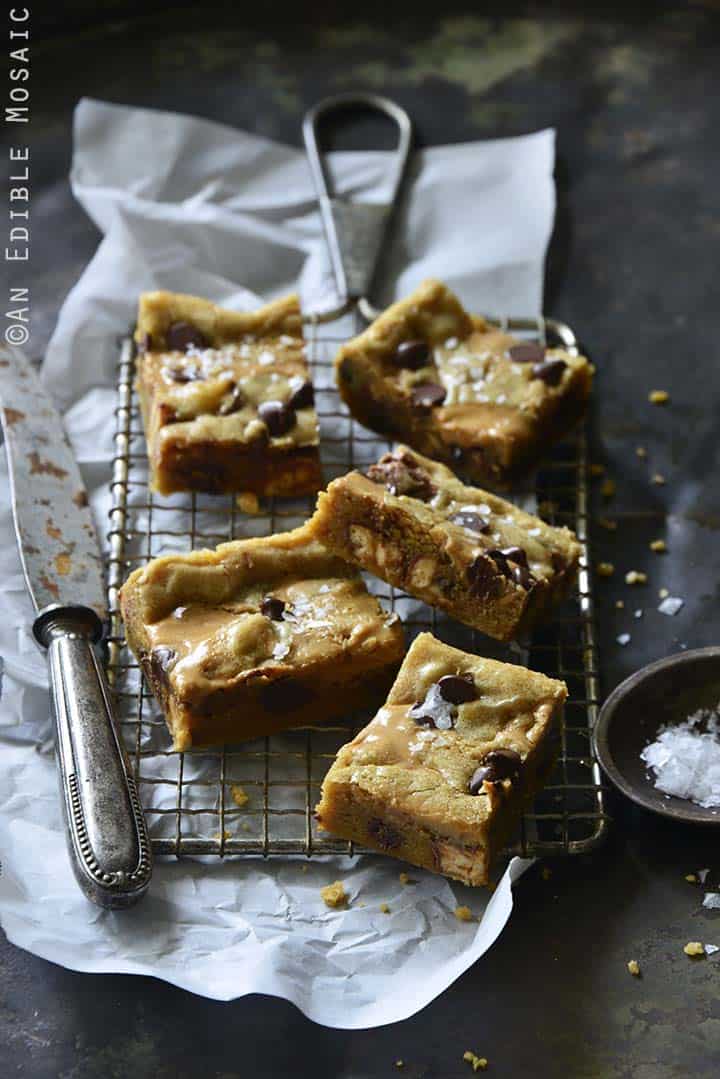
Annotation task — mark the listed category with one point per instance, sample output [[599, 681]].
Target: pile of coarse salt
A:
[[685, 758]]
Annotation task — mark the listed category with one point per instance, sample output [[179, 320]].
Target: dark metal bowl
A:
[[662, 693]]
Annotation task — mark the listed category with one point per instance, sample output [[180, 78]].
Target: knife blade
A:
[[62, 564]]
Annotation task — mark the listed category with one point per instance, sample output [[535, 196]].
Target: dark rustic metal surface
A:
[[634, 268]]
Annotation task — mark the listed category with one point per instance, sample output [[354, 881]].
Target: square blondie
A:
[[257, 636], [226, 397], [413, 523], [440, 776], [459, 390]]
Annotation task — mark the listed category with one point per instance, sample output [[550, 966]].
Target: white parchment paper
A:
[[192, 206]]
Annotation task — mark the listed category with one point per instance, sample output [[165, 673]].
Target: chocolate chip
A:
[[427, 394], [161, 659], [527, 352], [549, 371], [515, 554], [233, 403], [497, 765], [474, 522], [384, 834], [402, 475], [522, 576], [272, 607], [558, 562], [278, 417], [412, 354], [184, 374], [458, 688], [500, 559], [285, 695], [181, 336], [303, 396], [482, 577]]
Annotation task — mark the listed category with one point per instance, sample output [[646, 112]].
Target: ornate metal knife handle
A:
[[107, 837]]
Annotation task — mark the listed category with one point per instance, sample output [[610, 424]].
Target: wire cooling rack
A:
[[257, 798]]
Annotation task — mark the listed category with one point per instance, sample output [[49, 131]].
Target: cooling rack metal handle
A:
[[355, 230]]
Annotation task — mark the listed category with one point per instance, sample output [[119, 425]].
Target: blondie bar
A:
[[413, 523], [440, 775], [459, 390], [226, 397], [257, 636]]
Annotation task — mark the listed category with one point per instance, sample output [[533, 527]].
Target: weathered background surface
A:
[[634, 267]]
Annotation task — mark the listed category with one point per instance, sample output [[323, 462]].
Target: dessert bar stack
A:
[[265, 634]]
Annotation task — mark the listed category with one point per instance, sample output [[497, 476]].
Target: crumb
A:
[[608, 488], [404, 878], [225, 835], [362, 903], [658, 397], [334, 895], [245, 826], [384, 908], [641, 452], [464, 914], [659, 546], [305, 867], [479, 1064], [491, 886], [658, 479], [663, 593], [248, 502], [694, 948], [634, 968], [605, 569], [607, 524], [691, 878], [635, 576], [596, 470], [399, 1063], [239, 797], [546, 872], [620, 604]]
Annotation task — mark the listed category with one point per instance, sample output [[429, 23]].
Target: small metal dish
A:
[[660, 694]]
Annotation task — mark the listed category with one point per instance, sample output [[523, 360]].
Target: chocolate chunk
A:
[[500, 559], [181, 336], [166, 414], [184, 374], [497, 765], [402, 475], [558, 562], [515, 554], [482, 577], [303, 396], [549, 371], [384, 834], [522, 576], [427, 394], [272, 607], [161, 659], [458, 688], [278, 417], [233, 403], [474, 522], [285, 695], [527, 352], [145, 343], [412, 354]]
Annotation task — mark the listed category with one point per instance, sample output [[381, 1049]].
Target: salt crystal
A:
[[623, 639], [638, 613], [702, 875], [435, 708], [711, 901], [710, 949], [685, 758], [671, 605]]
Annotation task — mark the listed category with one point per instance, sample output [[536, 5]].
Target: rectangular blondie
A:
[[226, 397], [439, 777], [413, 523], [257, 636], [459, 390]]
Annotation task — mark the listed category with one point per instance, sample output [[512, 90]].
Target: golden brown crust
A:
[[409, 787], [206, 377], [413, 523], [256, 636], [493, 417]]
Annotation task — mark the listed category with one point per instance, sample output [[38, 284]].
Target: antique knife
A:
[[107, 837]]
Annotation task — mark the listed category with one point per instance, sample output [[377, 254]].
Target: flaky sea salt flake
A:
[[671, 605]]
